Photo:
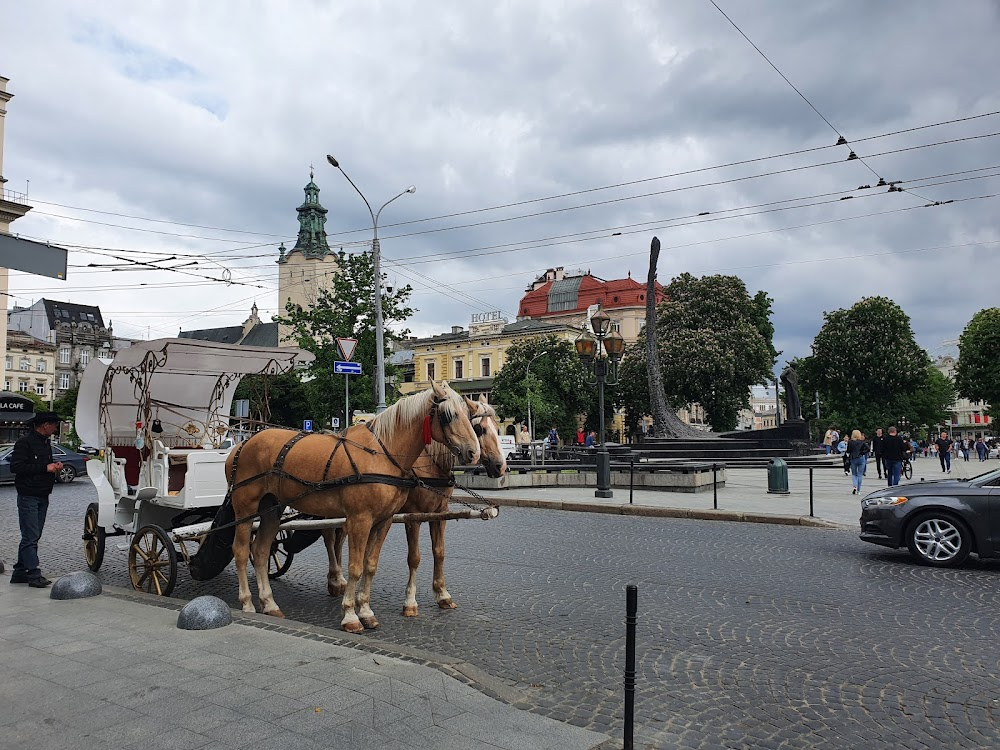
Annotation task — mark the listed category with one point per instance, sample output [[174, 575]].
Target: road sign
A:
[[336, 422], [307, 425], [346, 368], [346, 347]]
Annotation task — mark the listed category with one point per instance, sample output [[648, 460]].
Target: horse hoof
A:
[[276, 613], [410, 610], [370, 623], [335, 589], [354, 626], [447, 604]]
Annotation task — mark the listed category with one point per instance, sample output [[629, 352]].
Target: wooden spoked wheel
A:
[[93, 539], [152, 561], [280, 559]]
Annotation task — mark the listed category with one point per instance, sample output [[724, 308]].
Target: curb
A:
[[497, 688], [652, 511]]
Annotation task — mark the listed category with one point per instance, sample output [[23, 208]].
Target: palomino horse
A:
[[434, 467], [362, 476]]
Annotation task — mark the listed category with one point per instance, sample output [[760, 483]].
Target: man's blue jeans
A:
[[892, 471], [31, 517], [945, 461]]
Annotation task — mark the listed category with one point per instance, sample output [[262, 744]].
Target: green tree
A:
[[346, 309], [632, 393], [279, 400], [977, 372], [869, 369], [715, 343], [556, 384]]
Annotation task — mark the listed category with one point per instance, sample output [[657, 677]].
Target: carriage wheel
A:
[[152, 561], [93, 539], [280, 559]]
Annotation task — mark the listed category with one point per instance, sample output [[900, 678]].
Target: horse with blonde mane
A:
[[435, 468], [362, 476]]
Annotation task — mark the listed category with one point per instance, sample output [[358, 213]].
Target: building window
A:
[[459, 369], [484, 365], [64, 381], [40, 365], [22, 385], [25, 363], [430, 371], [84, 357], [7, 362], [40, 388], [64, 356], [6, 385]]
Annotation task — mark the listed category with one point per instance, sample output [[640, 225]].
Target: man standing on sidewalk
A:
[[877, 450], [34, 475], [894, 450], [944, 452]]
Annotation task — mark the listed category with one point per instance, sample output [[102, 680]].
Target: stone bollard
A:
[[204, 613], [78, 585]]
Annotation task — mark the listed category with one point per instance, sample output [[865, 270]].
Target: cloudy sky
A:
[[538, 134]]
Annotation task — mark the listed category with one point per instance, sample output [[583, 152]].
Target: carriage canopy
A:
[[180, 389]]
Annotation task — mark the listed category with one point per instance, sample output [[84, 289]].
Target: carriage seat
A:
[[132, 458]]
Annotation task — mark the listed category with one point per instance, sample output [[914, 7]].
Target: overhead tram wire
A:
[[841, 140], [697, 219], [704, 217], [888, 134]]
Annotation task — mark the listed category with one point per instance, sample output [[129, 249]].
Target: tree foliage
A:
[[870, 371], [556, 383], [632, 394], [346, 309], [715, 342], [977, 372]]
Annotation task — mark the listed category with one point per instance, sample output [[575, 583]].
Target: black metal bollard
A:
[[810, 492], [631, 478], [631, 605], [715, 486]]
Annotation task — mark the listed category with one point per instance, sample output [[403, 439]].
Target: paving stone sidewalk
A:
[[113, 671]]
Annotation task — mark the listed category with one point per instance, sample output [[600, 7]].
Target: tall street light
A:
[[377, 259], [527, 386], [601, 354]]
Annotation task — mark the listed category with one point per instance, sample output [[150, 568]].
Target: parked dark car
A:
[[939, 522], [74, 464]]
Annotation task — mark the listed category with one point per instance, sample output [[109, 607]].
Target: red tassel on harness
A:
[[427, 430]]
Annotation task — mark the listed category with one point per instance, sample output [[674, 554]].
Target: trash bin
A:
[[777, 476]]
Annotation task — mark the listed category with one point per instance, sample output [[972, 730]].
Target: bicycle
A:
[[907, 470]]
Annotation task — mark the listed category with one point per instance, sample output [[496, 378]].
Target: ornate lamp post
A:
[[600, 354], [376, 258]]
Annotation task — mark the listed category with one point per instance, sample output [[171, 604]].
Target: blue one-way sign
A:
[[346, 368]]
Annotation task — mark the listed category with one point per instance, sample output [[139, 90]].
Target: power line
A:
[[742, 162], [841, 139]]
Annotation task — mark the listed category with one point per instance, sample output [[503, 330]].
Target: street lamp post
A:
[[527, 386], [601, 353], [377, 261]]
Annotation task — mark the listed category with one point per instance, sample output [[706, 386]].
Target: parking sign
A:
[[307, 425], [336, 422]]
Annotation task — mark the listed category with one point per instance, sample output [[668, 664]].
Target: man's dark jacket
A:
[[29, 462], [894, 449], [877, 445]]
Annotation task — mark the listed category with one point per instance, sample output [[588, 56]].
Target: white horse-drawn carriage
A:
[[170, 472]]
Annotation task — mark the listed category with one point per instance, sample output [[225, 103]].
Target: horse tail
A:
[[216, 550]]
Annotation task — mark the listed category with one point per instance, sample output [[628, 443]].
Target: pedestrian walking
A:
[[828, 441], [981, 450], [894, 451], [965, 449], [877, 450], [857, 453], [34, 476], [944, 450]]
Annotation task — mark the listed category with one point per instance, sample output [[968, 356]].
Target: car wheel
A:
[[66, 474], [939, 539]]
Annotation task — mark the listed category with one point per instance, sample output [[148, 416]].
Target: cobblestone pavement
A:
[[750, 635]]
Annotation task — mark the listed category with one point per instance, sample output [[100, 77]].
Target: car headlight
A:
[[874, 502]]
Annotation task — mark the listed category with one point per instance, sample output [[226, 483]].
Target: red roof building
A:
[[570, 298]]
